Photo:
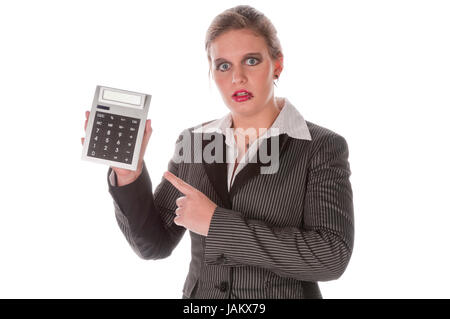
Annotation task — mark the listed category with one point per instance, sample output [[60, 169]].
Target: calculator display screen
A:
[[113, 137], [122, 97]]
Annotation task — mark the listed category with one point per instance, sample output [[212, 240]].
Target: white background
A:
[[376, 72]]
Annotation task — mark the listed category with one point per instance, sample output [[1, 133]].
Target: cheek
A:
[[222, 81], [263, 77]]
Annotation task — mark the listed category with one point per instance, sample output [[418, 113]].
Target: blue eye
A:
[[252, 61], [223, 66]]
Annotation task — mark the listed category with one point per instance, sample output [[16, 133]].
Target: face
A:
[[244, 71]]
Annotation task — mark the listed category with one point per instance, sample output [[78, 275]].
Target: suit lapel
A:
[[251, 170], [217, 172]]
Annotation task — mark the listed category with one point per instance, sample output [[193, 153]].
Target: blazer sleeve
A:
[[317, 250], [146, 219]]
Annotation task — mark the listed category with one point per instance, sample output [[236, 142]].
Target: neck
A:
[[261, 121]]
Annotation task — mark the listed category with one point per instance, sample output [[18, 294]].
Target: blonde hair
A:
[[244, 17]]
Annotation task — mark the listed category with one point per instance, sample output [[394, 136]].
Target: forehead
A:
[[235, 43]]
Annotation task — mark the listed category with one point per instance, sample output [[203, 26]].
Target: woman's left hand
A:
[[195, 209]]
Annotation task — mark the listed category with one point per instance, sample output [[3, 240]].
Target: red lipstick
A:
[[242, 95]]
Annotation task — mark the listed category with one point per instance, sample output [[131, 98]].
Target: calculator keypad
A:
[[113, 137]]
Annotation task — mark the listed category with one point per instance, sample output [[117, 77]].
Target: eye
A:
[[252, 61], [223, 66]]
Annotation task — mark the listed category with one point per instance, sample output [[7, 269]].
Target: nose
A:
[[238, 76]]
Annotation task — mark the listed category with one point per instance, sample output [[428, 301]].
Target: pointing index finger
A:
[[179, 184]]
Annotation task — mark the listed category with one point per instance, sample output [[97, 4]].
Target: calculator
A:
[[115, 127]]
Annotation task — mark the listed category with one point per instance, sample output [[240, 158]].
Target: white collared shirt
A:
[[288, 121]]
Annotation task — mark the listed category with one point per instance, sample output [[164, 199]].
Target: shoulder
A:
[[322, 137], [190, 130]]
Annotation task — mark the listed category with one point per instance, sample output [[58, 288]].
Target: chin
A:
[[245, 108]]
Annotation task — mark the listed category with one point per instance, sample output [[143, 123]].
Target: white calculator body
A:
[[115, 127]]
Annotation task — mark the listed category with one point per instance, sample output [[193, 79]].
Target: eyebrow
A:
[[253, 54]]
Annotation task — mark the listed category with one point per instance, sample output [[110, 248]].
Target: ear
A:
[[278, 64]]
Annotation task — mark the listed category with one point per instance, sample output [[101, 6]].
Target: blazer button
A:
[[223, 286]]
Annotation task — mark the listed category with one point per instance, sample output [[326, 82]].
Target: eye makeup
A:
[[220, 61]]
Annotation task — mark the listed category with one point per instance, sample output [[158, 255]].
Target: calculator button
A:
[[113, 137]]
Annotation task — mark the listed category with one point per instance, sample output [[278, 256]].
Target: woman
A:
[[254, 233]]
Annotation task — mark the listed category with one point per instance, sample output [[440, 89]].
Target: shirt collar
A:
[[288, 121]]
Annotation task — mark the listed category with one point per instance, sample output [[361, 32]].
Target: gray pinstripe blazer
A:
[[271, 236]]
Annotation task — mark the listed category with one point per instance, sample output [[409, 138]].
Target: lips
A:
[[242, 95]]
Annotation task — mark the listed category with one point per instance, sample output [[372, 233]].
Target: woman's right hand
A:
[[126, 176]]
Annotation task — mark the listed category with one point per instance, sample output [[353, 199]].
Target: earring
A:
[[277, 79]]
